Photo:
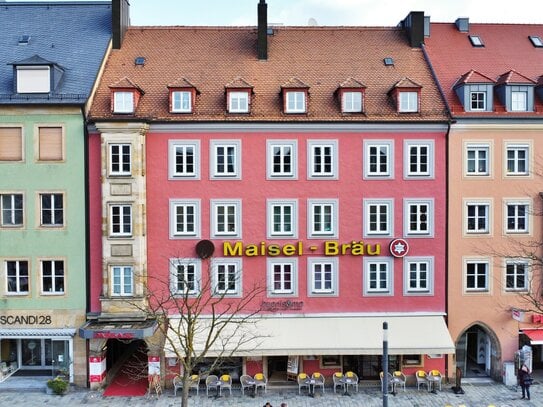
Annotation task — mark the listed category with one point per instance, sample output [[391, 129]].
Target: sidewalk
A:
[[476, 395]]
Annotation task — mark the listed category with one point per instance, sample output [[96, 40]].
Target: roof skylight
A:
[[536, 41], [476, 41]]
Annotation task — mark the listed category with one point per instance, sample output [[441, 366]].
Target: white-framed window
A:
[[478, 159], [282, 159], [225, 159], [227, 277], [323, 159], [282, 276], [181, 101], [17, 277], [52, 276], [516, 275], [226, 218], [409, 102], [477, 275], [11, 144], [419, 217], [122, 281], [519, 101], [322, 217], [51, 209], [517, 217], [282, 218], [477, 101], [295, 102], [185, 276], [120, 220], [477, 216], [418, 275], [185, 218], [123, 102], [378, 159], [378, 276], [419, 158], [11, 210], [352, 102], [518, 156], [120, 159], [378, 217], [238, 102], [184, 159], [33, 79], [323, 275]]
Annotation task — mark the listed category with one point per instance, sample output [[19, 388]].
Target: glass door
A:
[[31, 352]]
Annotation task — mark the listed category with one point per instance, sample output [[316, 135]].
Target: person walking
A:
[[525, 380]]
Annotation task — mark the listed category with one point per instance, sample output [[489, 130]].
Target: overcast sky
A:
[[331, 12]]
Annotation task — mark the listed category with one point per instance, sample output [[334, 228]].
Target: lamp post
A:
[[385, 364]]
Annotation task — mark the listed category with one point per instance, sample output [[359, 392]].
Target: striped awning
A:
[[8, 333]]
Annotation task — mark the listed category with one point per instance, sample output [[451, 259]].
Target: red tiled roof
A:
[[352, 84], [124, 83], [474, 77], [318, 58], [507, 48], [238, 83], [181, 83], [514, 77]]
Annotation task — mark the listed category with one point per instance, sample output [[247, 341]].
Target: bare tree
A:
[[199, 317]]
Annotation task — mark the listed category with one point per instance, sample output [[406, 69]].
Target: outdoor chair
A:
[[303, 382], [195, 383], [225, 383], [352, 380], [211, 381], [177, 384], [318, 381], [399, 378], [389, 378], [338, 380], [422, 379], [435, 377], [247, 382], [260, 381]]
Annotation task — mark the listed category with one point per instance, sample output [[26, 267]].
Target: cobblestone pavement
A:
[[476, 395]]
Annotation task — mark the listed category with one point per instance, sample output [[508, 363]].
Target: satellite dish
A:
[[312, 22]]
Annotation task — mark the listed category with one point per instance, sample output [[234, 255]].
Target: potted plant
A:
[[58, 385]]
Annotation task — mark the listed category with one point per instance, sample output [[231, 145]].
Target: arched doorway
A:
[[127, 367], [478, 352]]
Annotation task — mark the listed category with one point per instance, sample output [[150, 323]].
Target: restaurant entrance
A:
[[277, 368]]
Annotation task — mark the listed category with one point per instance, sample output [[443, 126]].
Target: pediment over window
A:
[[125, 96], [238, 96], [36, 75]]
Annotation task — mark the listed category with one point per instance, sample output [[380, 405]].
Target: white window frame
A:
[[477, 101], [352, 102], [217, 266], [368, 204], [271, 204], [516, 149], [519, 101], [477, 149], [188, 232], [238, 102], [123, 102], [283, 146], [479, 262], [417, 262], [124, 272], [181, 101], [122, 207], [312, 231], [388, 264], [226, 173], [55, 222], [120, 159], [419, 203], [515, 204], [383, 149], [225, 203], [282, 263], [9, 213], [321, 172], [477, 204], [184, 148], [18, 276], [33, 79], [295, 101], [421, 169], [333, 264], [185, 265], [53, 277], [514, 264], [408, 101]]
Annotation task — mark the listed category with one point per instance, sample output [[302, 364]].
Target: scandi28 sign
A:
[[399, 247]]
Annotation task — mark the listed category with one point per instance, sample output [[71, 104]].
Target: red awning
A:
[[535, 335]]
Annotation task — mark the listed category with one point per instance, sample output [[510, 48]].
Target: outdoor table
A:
[[311, 382], [394, 381], [346, 381], [432, 383], [252, 383]]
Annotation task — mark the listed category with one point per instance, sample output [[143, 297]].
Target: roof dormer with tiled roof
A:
[[238, 96], [182, 96], [125, 96], [516, 91], [406, 94], [351, 96]]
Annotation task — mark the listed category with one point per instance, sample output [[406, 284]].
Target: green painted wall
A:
[[32, 242]]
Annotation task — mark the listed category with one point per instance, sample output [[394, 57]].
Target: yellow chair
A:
[[319, 380], [351, 380], [422, 379], [303, 381], [338, 380], [399, 379], [434, 376], [260, 381], [226, 383]]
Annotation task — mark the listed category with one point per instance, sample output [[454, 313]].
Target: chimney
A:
[[262, 44], [120, 20], [462, 24], [413, 25]]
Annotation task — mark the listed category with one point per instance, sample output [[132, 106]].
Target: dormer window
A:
[[475, 92], [407, 95], [295, 102], [351, 102], [238, 101], [478, 100], [181, 102], [409, 101], [519, 101], [123, 102], [516, 92], [33, 79]]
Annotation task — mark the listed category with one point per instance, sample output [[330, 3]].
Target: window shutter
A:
[[11, 144], [50, 144]]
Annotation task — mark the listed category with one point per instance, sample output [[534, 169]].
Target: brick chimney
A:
[[120, 20], [262, 44]]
